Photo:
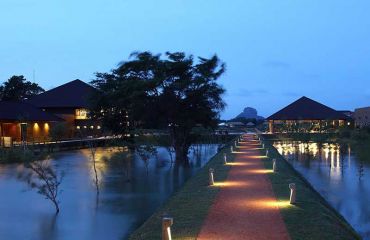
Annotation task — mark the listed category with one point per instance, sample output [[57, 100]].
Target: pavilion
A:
[[307, 115]]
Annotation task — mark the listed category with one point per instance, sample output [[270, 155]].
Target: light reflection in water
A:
[[338, 174], [122, 206]]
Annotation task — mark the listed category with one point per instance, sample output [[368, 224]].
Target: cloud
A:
[[276, 64]]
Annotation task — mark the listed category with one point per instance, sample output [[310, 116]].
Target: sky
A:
[[275, 51]]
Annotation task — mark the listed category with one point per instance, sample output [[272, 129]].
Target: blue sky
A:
[[275, 51]]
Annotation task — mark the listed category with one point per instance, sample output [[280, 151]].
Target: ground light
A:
[[274, 166], [166, 228], [211, 178], [292, 193]]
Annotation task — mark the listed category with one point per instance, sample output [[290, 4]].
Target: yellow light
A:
[[46, 127], [230, 184], [260, 171], [36, 127], [78, 127], [238, 163], [268, 204], [92, 127]]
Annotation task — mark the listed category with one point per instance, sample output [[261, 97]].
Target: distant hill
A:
[[250, 113]]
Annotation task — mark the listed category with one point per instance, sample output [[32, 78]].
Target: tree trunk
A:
[[181, 143]]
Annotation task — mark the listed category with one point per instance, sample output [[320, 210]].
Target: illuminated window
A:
[[92, 127], [81, 113], [98, 127], [78, 127], [85, 126]]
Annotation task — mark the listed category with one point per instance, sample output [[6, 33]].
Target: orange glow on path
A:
[[259, 171], [231, 184], [245, 199]]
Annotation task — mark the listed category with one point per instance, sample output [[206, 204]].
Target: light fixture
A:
[[292, 193], [211, 178], [166, 228]]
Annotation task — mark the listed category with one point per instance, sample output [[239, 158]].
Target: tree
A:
[[18, 88], [173, 92], [45, 180]]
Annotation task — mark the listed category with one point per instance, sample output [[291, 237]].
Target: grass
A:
[[189, 206], [18, 155], [312, 217]]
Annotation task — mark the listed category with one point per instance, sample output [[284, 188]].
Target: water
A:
[[122, 205], [340, 174]]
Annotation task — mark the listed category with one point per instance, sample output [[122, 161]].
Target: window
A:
[[81, 113]]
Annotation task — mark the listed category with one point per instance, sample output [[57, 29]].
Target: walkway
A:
[[246, 207]]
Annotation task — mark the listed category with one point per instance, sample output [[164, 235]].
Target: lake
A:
[[129, 194], [340, 174]]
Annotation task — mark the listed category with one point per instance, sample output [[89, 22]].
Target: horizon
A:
[[275, 52]]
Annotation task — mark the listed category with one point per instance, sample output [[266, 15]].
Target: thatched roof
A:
[[307, 109], [74, 94]]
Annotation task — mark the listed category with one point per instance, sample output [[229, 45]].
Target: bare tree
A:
[[146, 152], [45, 180]]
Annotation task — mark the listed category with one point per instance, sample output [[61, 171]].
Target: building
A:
[[362, 117], [20, 121], [307, 115], [70, 102]]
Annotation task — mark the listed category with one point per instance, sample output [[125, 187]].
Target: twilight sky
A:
[[275, 51]]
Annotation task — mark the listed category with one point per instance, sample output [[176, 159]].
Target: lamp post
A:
[[292, 193], [211, 179], [166, 228]]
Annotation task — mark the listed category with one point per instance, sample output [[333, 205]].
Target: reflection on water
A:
[[128, 195], [339, 174]]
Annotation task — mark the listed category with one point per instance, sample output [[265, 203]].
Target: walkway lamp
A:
[[267, 152], [211, 179], [225, 158], [274, 166], [292, 193], [166, 228]]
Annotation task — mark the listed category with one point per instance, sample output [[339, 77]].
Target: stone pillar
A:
[[271, 126]]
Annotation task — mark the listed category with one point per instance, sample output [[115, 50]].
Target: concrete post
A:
[[292, 193], [211, 179], [274, 167], [166, 228], [231, 149], [263, 146], [225, 158], [267, 152], [236, 143]]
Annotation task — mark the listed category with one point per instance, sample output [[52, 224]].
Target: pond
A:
[[340, 174], [121, 207]]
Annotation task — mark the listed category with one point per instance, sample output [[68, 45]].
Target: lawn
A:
[[189, 206], [311, 217]]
